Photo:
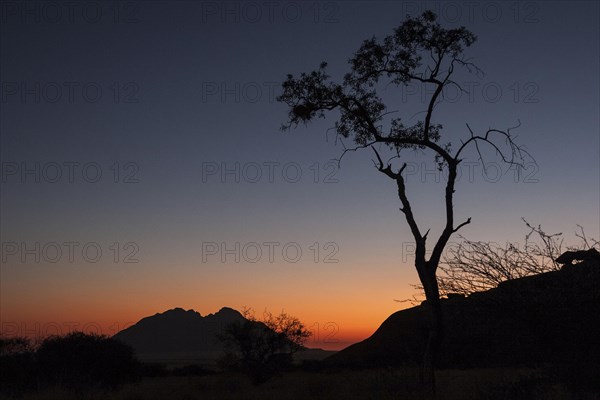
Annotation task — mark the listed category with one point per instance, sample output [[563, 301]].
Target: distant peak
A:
[[181, 311], [229, 311]]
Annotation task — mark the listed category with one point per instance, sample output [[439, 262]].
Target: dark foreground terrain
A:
[[397, 383]]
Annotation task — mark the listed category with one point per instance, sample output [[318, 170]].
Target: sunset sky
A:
[[143, 167]]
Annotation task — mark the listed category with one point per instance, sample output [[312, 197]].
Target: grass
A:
[[488, 384]]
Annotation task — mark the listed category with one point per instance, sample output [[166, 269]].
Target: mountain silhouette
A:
[[547, 318], [182, 336], [178, 332]]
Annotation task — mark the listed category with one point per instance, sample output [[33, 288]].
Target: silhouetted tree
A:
[[17, 366], [262, 347], [419, 51], [80, 361]]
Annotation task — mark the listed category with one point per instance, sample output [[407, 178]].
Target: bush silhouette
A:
[[80, 361], [17, 366]]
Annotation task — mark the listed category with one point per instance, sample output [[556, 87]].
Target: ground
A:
[[488, 384]]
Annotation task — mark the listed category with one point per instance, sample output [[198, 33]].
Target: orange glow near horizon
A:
[[338, 310], [328, 334]]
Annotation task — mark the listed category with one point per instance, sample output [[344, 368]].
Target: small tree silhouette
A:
[[261, 348], [419, 51]]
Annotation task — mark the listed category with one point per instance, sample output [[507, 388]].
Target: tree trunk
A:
[[432, 345], [434, 326]]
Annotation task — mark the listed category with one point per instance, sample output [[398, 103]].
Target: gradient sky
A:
[[161, 98]]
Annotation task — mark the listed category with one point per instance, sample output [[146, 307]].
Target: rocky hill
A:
[[547, 318]]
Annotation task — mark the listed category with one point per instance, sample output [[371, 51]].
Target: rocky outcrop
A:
[[590, 255], [546, 318]]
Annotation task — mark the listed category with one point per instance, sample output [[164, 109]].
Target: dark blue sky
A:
[[160, 97]]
